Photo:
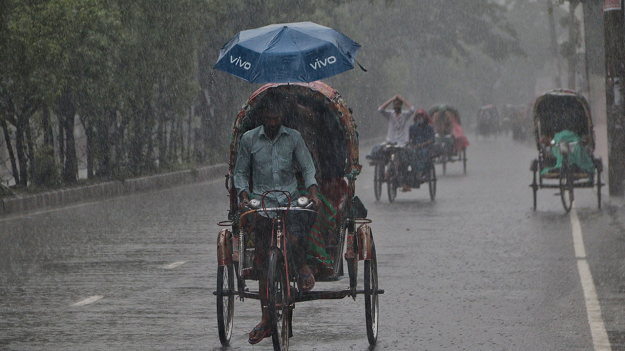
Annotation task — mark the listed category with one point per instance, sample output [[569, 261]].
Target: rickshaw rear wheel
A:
[[464, 160], [599, 188], [566, 188], [432, 183], [378, 178], [392, 181], [225, 303], [279, 305], [372, 304]]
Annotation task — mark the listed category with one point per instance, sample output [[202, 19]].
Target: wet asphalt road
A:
[[476, 269]]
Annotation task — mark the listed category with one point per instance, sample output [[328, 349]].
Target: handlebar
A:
[[303, 204]]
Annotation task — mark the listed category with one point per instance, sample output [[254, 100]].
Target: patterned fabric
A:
[[325, 225]]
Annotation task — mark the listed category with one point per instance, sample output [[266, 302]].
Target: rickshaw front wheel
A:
[[280, 311], [566, 188], [378, 178], [372, 304], [464, 160], [225, 303], [392, 181], [432, 182]]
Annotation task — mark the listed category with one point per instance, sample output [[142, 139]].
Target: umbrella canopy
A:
[[287, 53]]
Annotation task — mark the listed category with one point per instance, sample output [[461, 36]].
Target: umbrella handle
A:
[[359, 65]]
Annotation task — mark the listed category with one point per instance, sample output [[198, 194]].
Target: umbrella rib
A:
[[299, 48]]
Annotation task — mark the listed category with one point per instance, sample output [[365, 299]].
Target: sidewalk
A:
[[109, 189]]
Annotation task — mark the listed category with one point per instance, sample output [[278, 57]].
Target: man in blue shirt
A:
[[270, 152]]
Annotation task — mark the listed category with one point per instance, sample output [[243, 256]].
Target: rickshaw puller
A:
[[398, 126], [270, 152]]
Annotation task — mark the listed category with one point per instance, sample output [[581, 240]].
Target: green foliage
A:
[[135, 69]]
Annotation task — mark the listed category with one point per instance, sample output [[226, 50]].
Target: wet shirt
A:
[[271, 163], [420, 133], [398, 126]]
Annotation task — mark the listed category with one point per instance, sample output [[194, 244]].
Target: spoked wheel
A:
[[534, 187], [279, 304], [599, 167], [225, 303], [599, 188], [372, 304], [566, 188], [432, 182], [464, 159], [378, 178], [392, 181]]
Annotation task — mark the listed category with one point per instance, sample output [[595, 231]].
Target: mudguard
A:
[[224, 252], [365, 239]]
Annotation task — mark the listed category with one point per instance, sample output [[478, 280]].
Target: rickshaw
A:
[[451, 143], [487, 121], [565, 140], [340, 232], [521, 122], [387, 170]]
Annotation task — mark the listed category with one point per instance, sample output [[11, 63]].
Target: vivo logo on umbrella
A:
[[326, 61], [237, 61]]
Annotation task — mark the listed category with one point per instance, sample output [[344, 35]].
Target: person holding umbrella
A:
[[270, 152]]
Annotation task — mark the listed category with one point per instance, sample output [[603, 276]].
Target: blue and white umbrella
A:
[[287, 53]]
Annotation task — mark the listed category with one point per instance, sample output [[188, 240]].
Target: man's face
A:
[[272, 120], [397, 105]]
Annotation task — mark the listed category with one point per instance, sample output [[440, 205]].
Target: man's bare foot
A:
[[306, 279]]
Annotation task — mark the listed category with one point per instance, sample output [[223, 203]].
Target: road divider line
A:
[[88, 300], [599, 335], [174, 265]]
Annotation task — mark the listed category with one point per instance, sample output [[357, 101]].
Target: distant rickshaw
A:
[[565, 139], [521, 121], [488, 121], [451, 143]]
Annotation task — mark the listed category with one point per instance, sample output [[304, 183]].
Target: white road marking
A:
[[89, 300], [593, 309], [174, 265]]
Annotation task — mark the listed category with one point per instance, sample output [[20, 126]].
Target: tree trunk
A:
[[162, 142], [572, 59], [21, 155], [614, 26], [189, 136], [89, 133], [61, 140], [30, 143], [554, 43], [67, 114], [7, 137], [46, 124]]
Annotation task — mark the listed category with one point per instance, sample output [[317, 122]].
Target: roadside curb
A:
[[110, 189]]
